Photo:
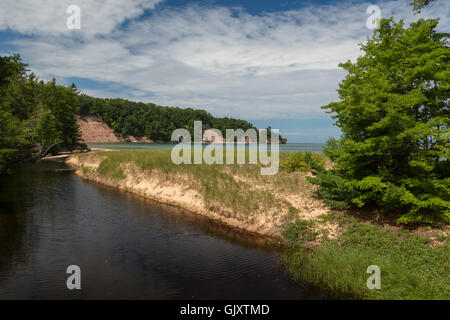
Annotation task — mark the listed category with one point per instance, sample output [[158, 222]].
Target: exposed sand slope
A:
[[94, 129], [178, 190]]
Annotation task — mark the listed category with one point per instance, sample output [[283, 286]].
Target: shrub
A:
[[299, 231], [336, 191], [7, 157], [300, 161]]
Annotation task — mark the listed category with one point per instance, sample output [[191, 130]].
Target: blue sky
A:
[[269, 62], [253, 7]]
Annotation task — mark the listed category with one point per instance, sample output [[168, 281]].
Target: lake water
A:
[[288, 147], [126, 246]]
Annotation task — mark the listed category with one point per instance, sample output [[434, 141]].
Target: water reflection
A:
[[126, 246]]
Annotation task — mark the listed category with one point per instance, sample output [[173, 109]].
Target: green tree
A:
[[46, 134], [34, 116], [395, 118], [418, 5]]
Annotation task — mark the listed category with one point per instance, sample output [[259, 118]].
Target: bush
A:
[[300, 161], [7, 157], [391, 198], [332, 149], [296, 232], [335, 190]]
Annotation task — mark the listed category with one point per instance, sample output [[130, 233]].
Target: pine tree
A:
[[395, 118]]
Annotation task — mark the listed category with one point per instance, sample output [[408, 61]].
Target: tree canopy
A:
[[395, 118], [152, 121], [34, 116], [418, 5]]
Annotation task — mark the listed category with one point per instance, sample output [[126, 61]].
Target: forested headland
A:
[[150, 120], [38, 117]]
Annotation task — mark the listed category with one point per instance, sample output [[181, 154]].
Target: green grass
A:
[[411, 268], [298, 231]]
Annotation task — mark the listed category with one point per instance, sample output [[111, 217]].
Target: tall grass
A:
[[411, 268], [216, 183]]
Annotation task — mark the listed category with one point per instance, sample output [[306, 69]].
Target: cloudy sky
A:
[[267, 61]]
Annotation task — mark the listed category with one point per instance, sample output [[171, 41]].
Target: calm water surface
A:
[[126, 246]]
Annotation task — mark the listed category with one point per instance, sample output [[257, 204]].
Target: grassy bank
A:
[[253, 202], [329, 250], [412, 266]]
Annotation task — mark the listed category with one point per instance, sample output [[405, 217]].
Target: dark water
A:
[[126, 246]]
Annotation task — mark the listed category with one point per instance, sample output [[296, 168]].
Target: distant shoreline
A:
[[288, 147]]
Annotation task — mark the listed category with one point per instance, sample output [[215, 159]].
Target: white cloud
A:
[[275, 65], [48, 17]]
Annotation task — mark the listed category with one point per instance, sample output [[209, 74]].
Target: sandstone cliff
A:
[[94, 129]]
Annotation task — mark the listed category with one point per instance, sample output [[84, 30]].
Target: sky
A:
[[270, 62]]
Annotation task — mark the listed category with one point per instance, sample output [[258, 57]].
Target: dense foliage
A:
[[140, 119], [152, 121], [395, 118], [300, 161], [34, 116]]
